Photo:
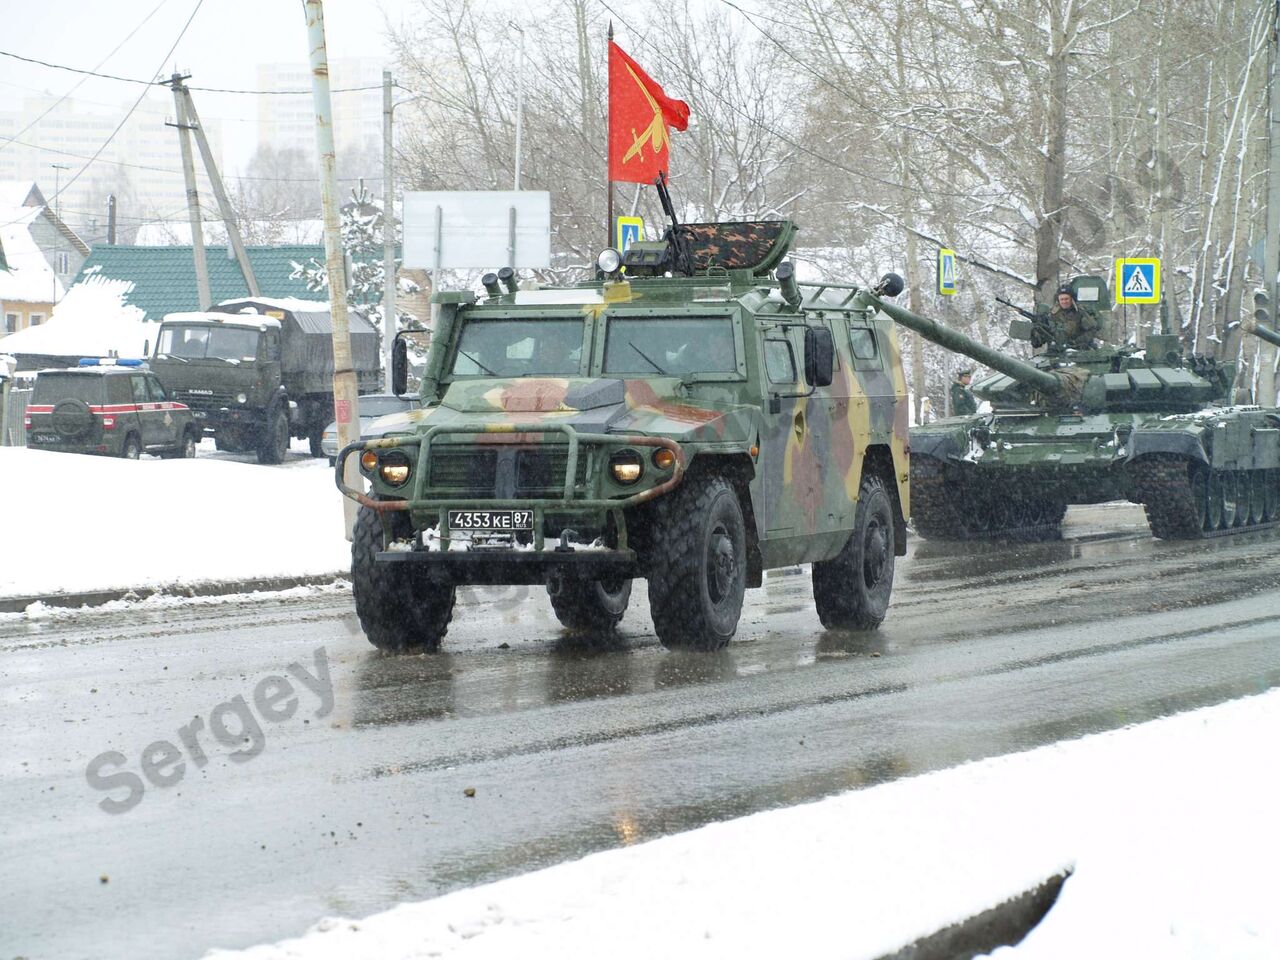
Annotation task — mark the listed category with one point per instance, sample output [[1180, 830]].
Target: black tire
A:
[[698, 565], [314, 438], [852, 589], [594, 605], [185, 450], [400, 610], [132, 449], [72, 418], [273, 442]]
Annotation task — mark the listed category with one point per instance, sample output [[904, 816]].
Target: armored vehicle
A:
[[694, 421], [116, 408], [1152, 426], [255, 372]]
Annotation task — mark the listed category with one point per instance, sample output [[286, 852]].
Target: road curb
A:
[[203, 588]]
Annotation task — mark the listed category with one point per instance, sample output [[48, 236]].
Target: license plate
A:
[[490, 519], [46, 438], [199, 414]]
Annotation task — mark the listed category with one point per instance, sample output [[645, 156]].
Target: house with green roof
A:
[[164, 278]]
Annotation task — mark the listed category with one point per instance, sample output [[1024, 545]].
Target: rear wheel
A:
[[400, 610], [273, 443], [852, 590], [595, 605], [698, 565]]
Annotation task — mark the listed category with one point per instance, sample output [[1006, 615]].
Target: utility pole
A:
[[193, 196], [1271, 250], [388, 234], [111, 219], [220, 193], [57, 215], [344, 377]]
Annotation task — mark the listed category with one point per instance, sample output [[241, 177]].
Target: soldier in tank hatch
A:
[[962, 401], [1068, 325]]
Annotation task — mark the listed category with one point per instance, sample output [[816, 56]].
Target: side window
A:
[[272, 346], [862, 344], [140, 390], [118, 390], [779, 361], [157, 391]]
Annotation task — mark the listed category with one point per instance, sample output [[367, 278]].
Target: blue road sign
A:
[[629, 230], [1138, 280]]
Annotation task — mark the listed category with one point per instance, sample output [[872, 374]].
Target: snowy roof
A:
[[92, 320], [30, 277], [292, 304]]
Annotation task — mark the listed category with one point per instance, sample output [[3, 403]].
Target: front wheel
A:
[[273, 443], [852, 589], [595, 605], [698, 566], [314, 438], [132, 448], [400, 610]]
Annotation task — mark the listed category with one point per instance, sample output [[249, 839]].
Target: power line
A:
[[157, 83], [81, 81]]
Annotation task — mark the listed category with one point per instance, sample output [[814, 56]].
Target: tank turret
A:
[[1105, 379]]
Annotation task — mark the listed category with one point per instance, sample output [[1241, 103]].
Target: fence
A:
[[13, 409]]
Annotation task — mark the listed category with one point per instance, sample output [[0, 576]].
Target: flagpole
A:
[[608, 140]]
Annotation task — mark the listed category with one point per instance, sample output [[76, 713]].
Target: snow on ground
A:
[[71, 522], [1169, 827]]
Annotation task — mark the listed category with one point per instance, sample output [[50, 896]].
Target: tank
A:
[[1154, 426]]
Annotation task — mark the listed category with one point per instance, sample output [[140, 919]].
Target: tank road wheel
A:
[[1234, 508], [1254, 496], [1271, 495], [273, 442], [400, 610], [934, 514], [852, 589], [1213, 501], [594, 605], [698, 565]]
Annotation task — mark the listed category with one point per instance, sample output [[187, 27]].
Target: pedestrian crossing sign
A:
[[946, 272], [629, 230], [1138, 280]]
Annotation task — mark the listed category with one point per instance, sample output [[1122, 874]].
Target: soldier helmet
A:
[[1066, 288], [963, 373]]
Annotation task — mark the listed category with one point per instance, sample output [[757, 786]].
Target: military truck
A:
[[1154, 426], [257, 371], [694, 421]]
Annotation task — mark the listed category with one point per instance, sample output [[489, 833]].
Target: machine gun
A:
[[1034, 318]]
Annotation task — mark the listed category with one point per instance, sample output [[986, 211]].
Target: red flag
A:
[[639, 117]]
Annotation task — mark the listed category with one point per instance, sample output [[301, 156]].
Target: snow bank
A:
[[92, 320], [1169, 827], [72, 523]]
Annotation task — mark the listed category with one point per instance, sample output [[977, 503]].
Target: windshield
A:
[[667, 346], [212, 343], [520, 348], [50, 388]]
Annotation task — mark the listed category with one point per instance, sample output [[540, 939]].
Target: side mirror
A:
[[1020, 329], [399, 367], [819, 356]]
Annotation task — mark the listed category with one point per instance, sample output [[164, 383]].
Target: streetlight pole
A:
[[519, 102], [57, 215], [388, 234]]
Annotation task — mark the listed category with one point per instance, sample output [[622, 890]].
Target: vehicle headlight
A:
[[394, 468], [241, 398], [609, 260], [626, 466], [664, 459]]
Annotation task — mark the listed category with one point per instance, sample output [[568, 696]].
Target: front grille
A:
[[470, 472], [540, 471], [205, 401]]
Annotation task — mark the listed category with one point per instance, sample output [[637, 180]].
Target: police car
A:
[[112, 407]]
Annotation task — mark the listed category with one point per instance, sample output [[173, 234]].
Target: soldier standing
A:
[[962, 402], [1068, 324]]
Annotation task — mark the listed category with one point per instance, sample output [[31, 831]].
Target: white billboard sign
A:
[[477, 229]]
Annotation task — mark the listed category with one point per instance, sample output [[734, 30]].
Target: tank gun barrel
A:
[[1264, 333], [949, 339]]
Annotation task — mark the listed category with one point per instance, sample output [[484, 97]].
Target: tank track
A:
[[940, 512], [1170, 496]]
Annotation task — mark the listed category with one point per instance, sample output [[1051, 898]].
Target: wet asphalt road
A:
[[988, 649]]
